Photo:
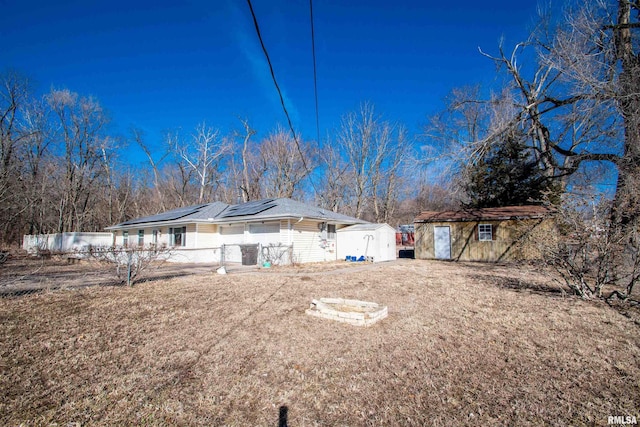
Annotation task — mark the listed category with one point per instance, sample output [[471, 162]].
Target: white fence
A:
[[79, 243], [65, 242]]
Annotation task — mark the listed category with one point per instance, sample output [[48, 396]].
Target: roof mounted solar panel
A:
[[167, 216], [249, 208]]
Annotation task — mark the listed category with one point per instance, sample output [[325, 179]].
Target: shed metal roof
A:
[[486, 214], [364, 227]]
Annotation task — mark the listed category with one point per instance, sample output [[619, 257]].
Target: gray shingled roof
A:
[[257, 210], [287, 208]]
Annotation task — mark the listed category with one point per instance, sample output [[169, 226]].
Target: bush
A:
[[594, 257]]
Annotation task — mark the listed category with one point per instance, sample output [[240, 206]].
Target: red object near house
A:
[[408, 239], [404, 239]]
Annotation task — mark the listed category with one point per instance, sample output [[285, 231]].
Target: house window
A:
[[140, 237], [125, 238], [327, 231], [154, 237], [485, 232], [331, 231], [178, 236]]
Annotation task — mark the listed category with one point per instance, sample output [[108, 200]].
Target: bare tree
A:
[[386, 180], [598, 56], [580, 85], [455, 133], [139, 139], [80, 124], [280, 167], [178, 179], [374, 151], [14, 94], [334, 193], [248, 186], [38, 168], [202, 156]]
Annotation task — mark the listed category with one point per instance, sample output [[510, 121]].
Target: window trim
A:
[[485, 230], [125, 238], [183, 236]]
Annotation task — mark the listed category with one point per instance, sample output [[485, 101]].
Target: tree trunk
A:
[[626, 207]]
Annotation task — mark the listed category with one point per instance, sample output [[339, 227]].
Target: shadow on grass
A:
[[282, 416], [16, 292], [629, 308], [520, 285], [20, 292], [162, 277]]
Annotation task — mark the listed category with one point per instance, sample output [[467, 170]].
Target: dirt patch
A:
[[458, 348]]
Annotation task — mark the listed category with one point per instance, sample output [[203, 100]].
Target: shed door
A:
[[442, 242]]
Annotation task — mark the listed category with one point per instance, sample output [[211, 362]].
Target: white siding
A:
[[286, 231], [232, 234], [265, 234], [208, 236], [117, 241], [192, 239], [201, 245], [307, 243], [163, 236]]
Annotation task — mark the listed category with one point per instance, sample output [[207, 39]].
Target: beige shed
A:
[[488, 234]]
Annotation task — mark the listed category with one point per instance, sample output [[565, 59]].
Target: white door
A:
[[442, 242]]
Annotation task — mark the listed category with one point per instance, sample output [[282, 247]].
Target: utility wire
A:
[[275, 82], [315, 74]]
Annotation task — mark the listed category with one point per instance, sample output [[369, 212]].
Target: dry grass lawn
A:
[[463, 345]]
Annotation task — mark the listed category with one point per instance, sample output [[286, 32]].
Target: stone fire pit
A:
[[354, 312]]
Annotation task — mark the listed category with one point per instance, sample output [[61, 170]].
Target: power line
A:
[[315, 74], [275, 82]]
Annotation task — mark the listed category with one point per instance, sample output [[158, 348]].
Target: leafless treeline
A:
[[62, 169]]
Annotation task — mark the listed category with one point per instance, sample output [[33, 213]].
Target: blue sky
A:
[[170, 65]]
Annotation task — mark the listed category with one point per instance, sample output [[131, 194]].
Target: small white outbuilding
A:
[[373, 241]]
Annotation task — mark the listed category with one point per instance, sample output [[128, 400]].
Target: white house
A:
[[376, 242], [275, 230]]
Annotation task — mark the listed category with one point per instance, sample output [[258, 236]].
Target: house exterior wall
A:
[[200, 242], [205, 242], [286, 231], [208, 236], [264, 233], [308, 245], [163, 236], [512, 240]]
